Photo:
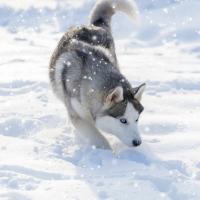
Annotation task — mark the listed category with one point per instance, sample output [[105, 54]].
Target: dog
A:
[[85, 76]]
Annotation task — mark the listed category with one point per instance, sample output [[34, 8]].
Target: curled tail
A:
[[104, 10]]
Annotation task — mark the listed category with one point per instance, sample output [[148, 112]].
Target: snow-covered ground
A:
[[39, 158]]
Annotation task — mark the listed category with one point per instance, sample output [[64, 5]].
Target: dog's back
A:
[[98, 33], [96, 38], [90, 35]]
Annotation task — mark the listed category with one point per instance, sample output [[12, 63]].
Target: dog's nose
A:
[[136, 143]]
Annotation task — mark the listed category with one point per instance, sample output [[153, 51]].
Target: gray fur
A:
[[84, 67]]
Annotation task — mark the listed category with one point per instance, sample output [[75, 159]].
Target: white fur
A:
[[58, 76], [88, 134], [125, 132], [139, 93], [126, 6], [81, 111]]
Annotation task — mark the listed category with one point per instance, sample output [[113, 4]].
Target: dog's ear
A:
[[138, 91], [115, 96]]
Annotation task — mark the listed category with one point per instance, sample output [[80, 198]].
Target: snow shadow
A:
[[99, 169]]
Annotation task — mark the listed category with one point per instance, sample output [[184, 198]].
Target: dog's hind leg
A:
[[87, 133]]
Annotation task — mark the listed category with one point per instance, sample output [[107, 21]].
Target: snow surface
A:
[[39, 158]]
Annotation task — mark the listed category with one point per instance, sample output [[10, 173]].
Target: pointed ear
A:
[[115, 96], [138, 91]]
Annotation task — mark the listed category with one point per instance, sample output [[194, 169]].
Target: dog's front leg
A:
[[88, 134]]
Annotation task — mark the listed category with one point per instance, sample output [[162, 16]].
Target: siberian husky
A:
[[85, 75]]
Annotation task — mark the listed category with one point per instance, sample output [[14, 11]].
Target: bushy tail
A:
[[104, 10]]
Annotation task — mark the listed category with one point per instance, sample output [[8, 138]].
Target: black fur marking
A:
[[64, 77], [100, 22], [118, 109], [130, 96], [87, 35], [82, 55], [137, 105], [64, 43]]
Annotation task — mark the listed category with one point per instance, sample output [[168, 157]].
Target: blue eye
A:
[[123, 121]]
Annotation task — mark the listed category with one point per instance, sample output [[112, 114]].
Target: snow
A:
[[39, 158]]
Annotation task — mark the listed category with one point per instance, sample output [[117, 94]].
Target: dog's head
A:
[[121, 114]]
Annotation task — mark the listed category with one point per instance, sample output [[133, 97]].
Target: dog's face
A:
[[121, 116]]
